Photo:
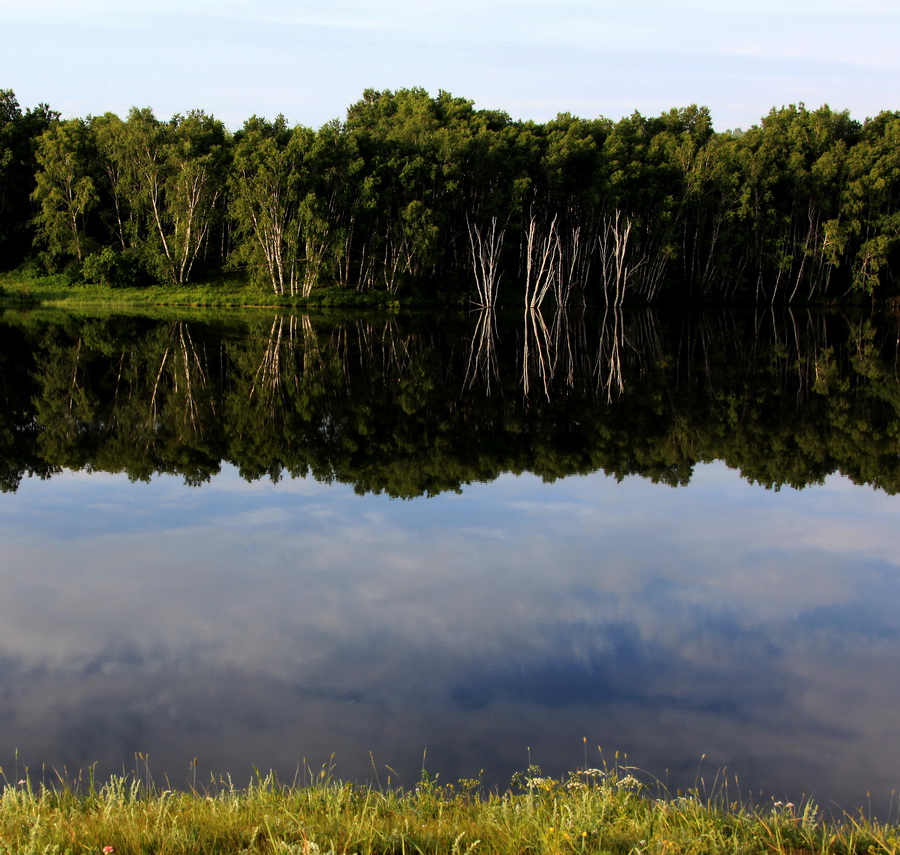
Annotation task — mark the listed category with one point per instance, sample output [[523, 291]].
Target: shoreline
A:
[[592, 810]]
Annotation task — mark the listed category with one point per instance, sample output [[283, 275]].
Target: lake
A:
[[471, 541]]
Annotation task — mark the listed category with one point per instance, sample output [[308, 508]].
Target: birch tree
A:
[[173, 175], [65, 189], [264, 204]]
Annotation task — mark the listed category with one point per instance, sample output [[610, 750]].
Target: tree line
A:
[[414, 195]]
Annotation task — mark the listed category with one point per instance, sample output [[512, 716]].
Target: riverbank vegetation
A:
[[420, 197], [593, 810]]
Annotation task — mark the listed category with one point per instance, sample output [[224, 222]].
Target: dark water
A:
[[672, 538]]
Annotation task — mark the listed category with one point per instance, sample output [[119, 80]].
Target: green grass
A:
[[591, 811], [228, 290], [58, 290]]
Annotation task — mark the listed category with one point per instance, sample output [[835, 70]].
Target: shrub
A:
[[113, 269]]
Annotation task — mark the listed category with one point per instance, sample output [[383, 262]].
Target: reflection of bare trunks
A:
[[561, 355], [483, 352], [186, 378], [73, 385], [312, 352], [278, 374], [608, 368], [570, 348], [397, 355], [269, 376], [558, 355], [385, 346], [538, 352]]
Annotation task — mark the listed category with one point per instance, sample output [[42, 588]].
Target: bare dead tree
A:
[[616, 272], [541, 253], [485, 245], [573, 266], [629, 260]]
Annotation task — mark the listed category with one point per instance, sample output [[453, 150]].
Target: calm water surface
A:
[[717, 624]]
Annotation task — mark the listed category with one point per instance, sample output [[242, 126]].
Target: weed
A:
[[593, 810]]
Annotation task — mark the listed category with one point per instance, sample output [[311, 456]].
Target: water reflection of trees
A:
[[410, 407], [561, 353]]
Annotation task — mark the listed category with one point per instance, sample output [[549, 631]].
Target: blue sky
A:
[[310, 59]]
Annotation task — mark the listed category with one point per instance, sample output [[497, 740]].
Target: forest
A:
[[420, 197]]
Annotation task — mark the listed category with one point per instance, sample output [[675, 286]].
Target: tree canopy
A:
[[428, 196]]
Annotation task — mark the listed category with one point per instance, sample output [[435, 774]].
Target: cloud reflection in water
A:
[[259, 624]]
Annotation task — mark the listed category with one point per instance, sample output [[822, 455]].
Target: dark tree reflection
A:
[[414, 406]]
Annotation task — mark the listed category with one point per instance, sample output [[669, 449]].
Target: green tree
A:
[[869, 221], [65, 188], [199, 157], [792, 170], [171, 178], [19, 133], [267, 188]]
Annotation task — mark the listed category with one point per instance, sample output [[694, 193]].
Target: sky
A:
[[311, 59]]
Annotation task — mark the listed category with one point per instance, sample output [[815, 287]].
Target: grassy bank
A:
[[228, 291], [598, 811]]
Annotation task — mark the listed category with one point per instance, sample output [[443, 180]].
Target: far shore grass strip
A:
[[605, 810], [234, 292]]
